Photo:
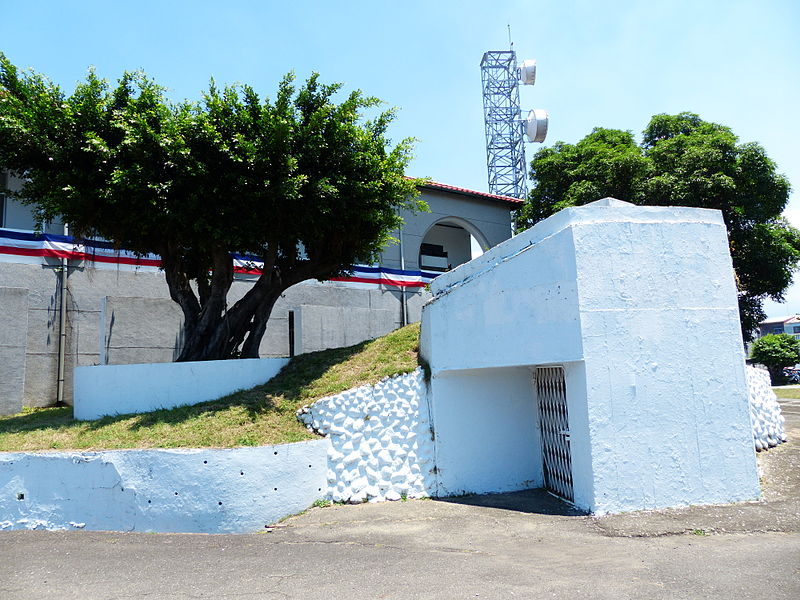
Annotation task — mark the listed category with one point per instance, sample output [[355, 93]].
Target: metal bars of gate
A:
[[551, 391]]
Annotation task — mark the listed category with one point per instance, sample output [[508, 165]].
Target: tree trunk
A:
[[211, 329], [214, 331], [776, 375]]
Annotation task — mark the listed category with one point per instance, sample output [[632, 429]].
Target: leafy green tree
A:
[[682, 161], [302, 182], [776, 351]]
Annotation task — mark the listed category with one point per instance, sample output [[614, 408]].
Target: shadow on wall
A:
[[537, 501]]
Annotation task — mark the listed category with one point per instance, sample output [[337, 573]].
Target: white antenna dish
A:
[[536, 125], [527, 72]]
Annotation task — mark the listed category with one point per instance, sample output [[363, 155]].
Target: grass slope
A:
[[260, 416]]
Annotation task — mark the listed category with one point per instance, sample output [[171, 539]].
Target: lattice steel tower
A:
[[505, 127]]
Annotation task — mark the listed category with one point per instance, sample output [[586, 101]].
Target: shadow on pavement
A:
[[536, 501]]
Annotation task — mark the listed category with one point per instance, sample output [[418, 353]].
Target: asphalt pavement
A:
[[521, 545]]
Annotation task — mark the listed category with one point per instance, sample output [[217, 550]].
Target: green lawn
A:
[[787, 392], [260, 416]]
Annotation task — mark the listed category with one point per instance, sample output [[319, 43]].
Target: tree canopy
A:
[[302, 182], [682, 161], [776, 351]]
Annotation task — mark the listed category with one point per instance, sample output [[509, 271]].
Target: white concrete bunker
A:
[[597, 354]]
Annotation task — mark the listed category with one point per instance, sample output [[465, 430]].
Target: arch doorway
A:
[[450, 242]]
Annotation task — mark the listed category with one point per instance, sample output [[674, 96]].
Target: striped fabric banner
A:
[[19, 246]]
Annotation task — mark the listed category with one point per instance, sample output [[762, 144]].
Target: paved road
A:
[[523, 545]]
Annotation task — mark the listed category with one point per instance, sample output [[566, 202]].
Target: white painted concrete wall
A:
[[487, 435], [639, 305], [381, 444], [122, 389], [667, 392], [239, 490]]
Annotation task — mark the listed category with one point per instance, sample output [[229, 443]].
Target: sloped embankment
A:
[[264, 415]]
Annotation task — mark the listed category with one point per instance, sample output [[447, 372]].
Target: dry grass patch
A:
[[261, 416], [787, 392]]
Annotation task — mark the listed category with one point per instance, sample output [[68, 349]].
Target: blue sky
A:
[[601, 63]]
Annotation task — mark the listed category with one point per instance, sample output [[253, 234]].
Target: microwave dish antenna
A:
[[536, 125]]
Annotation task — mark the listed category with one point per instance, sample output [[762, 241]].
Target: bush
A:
[[776, 351]]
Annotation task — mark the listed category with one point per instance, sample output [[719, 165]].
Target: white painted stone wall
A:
[[381, 444], [237, 490], [765, 412], [103, 390]]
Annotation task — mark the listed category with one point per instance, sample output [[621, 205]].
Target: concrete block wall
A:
[[127, 337], [121, 316], [14, 303], [125, 317]]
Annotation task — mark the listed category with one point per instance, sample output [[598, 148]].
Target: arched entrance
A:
[[450, 242]]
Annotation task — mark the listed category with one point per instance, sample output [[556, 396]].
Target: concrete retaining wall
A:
[[122, 389], [239, 490]]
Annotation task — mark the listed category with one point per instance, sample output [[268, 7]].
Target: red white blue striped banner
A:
[[20, 246]]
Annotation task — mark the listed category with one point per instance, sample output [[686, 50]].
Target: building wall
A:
[[14, 325], [123, 316], [490, 221]]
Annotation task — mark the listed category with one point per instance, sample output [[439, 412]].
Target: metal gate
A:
[[551, 391]]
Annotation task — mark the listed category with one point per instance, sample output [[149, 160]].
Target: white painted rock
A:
[[765, 412], [383, 441]]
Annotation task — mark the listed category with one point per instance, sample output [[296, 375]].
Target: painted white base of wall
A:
[[105, 390], [236, 490], [765, 412], [381, 443]]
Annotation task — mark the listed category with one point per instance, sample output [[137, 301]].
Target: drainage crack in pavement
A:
[[383, 546], [298, 527], [340, 543], [699, 530]]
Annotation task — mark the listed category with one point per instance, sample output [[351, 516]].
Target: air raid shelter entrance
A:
[[576, 356]]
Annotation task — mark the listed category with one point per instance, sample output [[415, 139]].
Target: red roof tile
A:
[[435, 185]]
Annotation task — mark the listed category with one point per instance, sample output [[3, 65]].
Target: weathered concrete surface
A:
[[208, 490], [508, 546], [138, 323], [14, 325], [638, 304]]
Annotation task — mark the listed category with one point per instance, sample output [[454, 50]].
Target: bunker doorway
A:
[[551, 397]]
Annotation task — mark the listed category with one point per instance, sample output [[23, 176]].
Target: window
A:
[[796, 328], [777, 329]]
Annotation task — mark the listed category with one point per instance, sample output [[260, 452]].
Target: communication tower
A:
[[505, 127]]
